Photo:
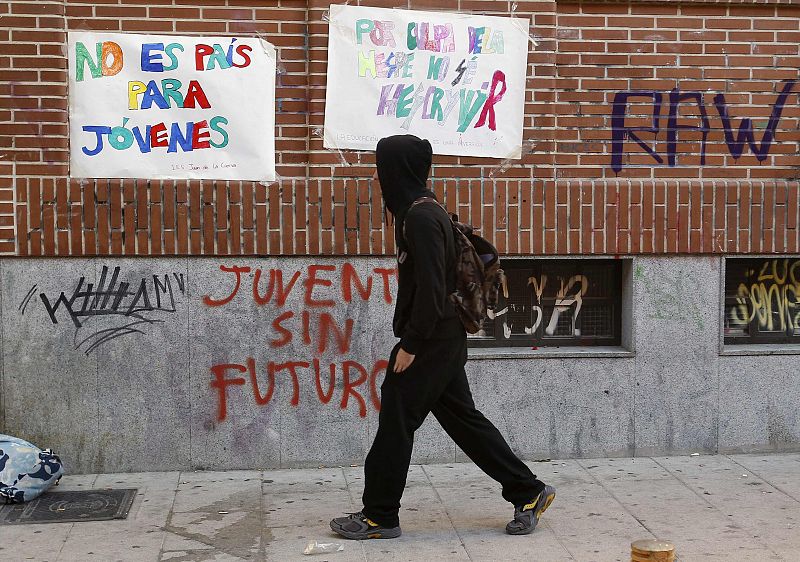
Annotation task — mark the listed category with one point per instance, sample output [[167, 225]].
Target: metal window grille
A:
[[550, 303], [762, 300]]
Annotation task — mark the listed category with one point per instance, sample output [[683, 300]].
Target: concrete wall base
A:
[[202, 363]]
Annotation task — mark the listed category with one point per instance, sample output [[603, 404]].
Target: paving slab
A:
[[713, 507], [313, 509], [41, 542], [155, 497], [112, 541], [218, 491], [288, 543], [428, 533], [751, 502], [779, 470], [77, 482], [199, 556], [671, 511], [479, 514], [588, 521], [305, 480]]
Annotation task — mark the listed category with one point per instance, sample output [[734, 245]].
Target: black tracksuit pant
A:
[[435, 382]]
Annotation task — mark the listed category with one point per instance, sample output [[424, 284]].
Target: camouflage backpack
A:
[[478, 273]]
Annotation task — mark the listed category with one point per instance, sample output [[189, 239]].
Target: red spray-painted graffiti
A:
[[351, 385], [322, 287]]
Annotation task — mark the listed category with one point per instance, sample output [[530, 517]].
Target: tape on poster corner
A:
[[527, 147], [266, 183], [319, 132]]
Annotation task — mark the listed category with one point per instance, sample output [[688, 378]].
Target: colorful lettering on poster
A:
[[482, 40], [431, 87], [107, 59], [187, 136]]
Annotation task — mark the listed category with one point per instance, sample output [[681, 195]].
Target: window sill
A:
[[761, 349], [480, 353]]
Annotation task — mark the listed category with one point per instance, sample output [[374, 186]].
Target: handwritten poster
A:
[[171, 107], [456, 79]]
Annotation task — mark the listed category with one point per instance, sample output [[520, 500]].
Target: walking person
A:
[[426, 367]]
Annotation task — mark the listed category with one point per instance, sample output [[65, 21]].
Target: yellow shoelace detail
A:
[[530, 505]]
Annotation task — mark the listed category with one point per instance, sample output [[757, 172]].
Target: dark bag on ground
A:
[[478, 273]]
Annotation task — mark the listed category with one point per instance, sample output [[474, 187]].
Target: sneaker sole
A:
[[551, 495], [548, 499], [392, 533]]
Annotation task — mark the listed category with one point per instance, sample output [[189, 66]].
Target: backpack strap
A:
[[453, 216], [425, 200]]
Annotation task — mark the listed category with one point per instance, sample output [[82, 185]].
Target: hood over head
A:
[[403, 163]]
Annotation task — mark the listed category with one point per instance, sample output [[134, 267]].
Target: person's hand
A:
[[402, 361]]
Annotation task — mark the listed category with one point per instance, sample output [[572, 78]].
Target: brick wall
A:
[[599, 75]]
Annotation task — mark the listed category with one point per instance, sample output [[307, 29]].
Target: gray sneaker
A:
[[526, 517], [358, 526]]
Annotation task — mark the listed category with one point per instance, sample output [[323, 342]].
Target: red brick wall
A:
[[568, 195]]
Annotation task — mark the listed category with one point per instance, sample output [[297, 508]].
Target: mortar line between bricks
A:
[[615, 498], [696, 493], [747, 468], [453, 525]]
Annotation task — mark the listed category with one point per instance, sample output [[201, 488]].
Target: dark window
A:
[[762, 300], [556, 303]]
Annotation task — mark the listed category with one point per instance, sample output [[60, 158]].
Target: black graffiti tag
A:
[[132, 304]]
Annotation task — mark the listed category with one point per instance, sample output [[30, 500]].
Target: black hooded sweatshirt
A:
[[425, 246]]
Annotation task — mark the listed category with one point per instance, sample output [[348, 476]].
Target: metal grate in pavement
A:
[[70, 507]]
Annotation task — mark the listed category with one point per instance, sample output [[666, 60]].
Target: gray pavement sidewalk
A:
[[742, 507]]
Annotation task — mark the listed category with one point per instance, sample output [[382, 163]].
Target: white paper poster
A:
[[456, 79], [171, 107]]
